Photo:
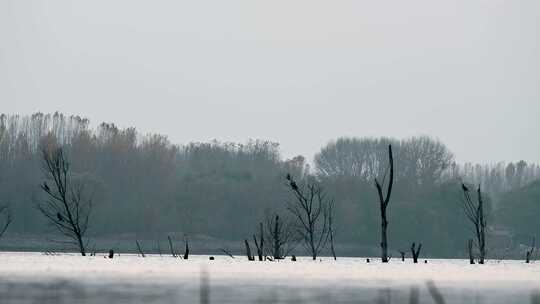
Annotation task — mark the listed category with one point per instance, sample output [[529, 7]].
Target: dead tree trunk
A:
[[186, 252], [279, 236], [530, 252], [482, 221], [277, 240], [171, 246], [402, 256], [260, 243], [475, 214], [248, 251], [471, 255], [330, 216], [139, 249], [383, 201], [415, 252]]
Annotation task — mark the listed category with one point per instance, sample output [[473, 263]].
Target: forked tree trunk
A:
[[260, 244], [383, 201], [139, 249], [415, 252]]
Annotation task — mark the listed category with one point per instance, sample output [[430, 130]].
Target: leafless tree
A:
[[260, 243], [475, 214], [7, 219], [280, 237], [67, 206], [330, 215], [383, 201], [310, 208]]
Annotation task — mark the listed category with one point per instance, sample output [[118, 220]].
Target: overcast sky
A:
[[297, 72]]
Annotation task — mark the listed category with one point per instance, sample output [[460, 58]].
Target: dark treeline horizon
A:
[[144, 184]]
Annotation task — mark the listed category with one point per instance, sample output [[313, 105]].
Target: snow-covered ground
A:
[[70, 278]]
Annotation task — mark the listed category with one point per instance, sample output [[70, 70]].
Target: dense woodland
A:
[[145, 185]]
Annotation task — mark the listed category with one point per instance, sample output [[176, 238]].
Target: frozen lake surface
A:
[[70, 278]]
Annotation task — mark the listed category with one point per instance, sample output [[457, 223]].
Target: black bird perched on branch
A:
[[293, 183], [464, 187], [60, 217]]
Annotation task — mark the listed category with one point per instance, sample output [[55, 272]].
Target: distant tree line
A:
[[144, 184]]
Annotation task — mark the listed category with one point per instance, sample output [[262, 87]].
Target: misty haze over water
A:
[[290, 151]]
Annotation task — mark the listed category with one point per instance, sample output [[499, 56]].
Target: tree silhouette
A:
[[384, 200], [67, 206]]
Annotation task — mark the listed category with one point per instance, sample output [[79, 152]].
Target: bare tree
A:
[[280, 236], [5, 213], [310, 208], [330, 215], [475, 214], [260, 243], [383, 201], [415, 252], [67, 207]]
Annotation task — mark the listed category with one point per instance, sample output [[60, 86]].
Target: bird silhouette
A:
[[464, 187], [60, 217], [293, 183], [294, 186]]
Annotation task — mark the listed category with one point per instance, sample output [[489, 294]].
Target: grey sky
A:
[[297, 72]]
